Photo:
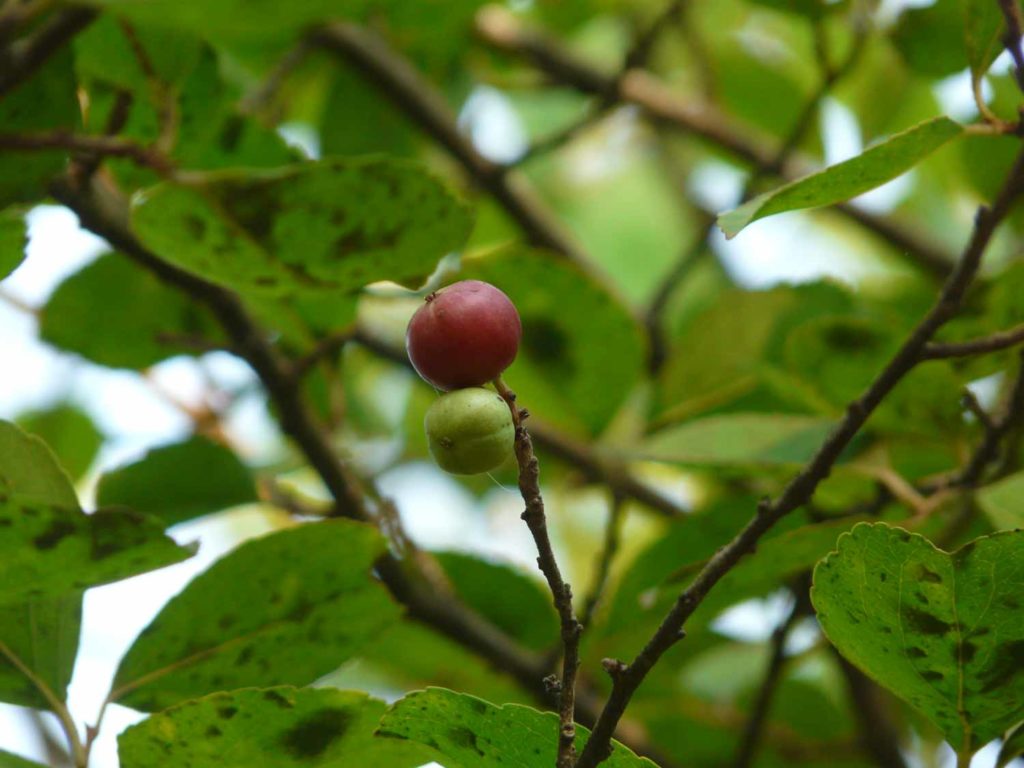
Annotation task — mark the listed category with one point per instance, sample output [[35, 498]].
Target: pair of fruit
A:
[[465, 336]]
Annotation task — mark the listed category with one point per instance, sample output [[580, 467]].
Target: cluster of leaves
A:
[[161, 125]]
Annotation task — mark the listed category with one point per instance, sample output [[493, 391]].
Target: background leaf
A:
[[472, 733], [940, 630], [270, 728], [739, 438], [284, 609], [114, 313], [13, 239], [180, 482], [870, 169], [10, 760], [70, 434], [1003, 502], [333, 225], [43, 635], [29, 472]]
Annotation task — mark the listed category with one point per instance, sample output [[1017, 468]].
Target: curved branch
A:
[[23, 57], [628, 677]]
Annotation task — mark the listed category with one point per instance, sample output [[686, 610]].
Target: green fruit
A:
[[470, 431]]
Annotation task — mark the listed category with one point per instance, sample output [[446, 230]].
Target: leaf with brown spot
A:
[[281, 727], [939, 631]]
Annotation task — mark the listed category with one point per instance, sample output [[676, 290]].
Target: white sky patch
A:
[[493, 125]]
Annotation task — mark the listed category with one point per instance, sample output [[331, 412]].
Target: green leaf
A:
[[119, 315], [43, 636], [180, 482], [11, 760], [983, 27], [870, 169], [284, 609], [69, 432], [269, 728], [940, 630], [44, 102], [335, 225], [13, 239], [29, 472], [524, 610], [1003, 502], [739, 438], [472, 733], [48, 551], [581, 351], [931, 39], [1013, 746]]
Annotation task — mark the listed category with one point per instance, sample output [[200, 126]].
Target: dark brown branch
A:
[[504, 32], [422, 103], [878, 737], [108, 146], [994, 343], [1012, 38], [588, 461], [20, 59], [754, 729], [609, 548], [561, 592], [627, 678]]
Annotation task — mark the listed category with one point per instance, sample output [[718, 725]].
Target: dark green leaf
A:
[[285, 609], [940, 630], [117, 314], [180, 482], [872, 168], [1003, 502], [472, 733], [335, 225], [44, 102], [43, 636], [48, 551], [931, 38], [1013, 746], [581, 350], [983, 27], [270, 728], [739, 438], [29, 472], [69, 432], [13, 239], [524, 610], [11, 760]]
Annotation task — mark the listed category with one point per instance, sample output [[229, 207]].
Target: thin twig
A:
[[878, 737], [981, 346], [640, 52], [326, 347], [262, 96], [20, 59], [609, 548], [67, 723], [109, 146], [754, 729], [995, 430], [561, 592], [628, 677], [504, 31], [560, 138]]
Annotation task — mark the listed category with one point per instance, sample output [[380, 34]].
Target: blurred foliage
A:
[[325, 198]]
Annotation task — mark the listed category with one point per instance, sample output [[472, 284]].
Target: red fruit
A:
[[464, 336]]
